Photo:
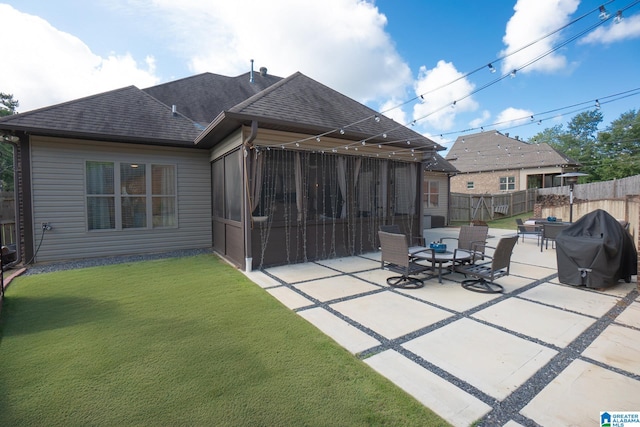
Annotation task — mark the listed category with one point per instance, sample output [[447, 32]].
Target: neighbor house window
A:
[[431, 194], [130, 195], [470, 185], [507, 183]]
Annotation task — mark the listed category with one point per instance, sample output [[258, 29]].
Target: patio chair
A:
[[531, 230], [472, 238], [550, 232], [485, 274], [395, 257], [395, 228]]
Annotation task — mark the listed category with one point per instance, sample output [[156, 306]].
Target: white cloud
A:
[[341, 43], [513, 117], [48, 66], [440, 87], [628, 28], [532, 20], [479, 121], [390, 109]]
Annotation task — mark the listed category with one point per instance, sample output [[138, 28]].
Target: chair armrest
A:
[[448, 238]]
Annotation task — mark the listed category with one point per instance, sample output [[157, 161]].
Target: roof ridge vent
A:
[[174, 110]]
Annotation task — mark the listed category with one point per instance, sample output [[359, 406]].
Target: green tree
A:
[[8, 106]]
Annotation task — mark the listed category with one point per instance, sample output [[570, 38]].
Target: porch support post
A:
[[247, 223]]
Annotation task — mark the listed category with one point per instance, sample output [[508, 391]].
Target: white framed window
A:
[[470, 185], [124, 195], [507, 183], [431, 194]]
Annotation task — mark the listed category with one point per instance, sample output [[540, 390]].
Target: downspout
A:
[[247, 227]]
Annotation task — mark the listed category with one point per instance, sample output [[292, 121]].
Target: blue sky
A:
[[384, 53]]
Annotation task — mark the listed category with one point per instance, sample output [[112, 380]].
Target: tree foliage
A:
[[611, 153], [8, 107]]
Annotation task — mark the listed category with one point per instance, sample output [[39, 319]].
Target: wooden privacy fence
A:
[[485, 207], [614, 189]]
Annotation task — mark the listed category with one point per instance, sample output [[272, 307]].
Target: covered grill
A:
[[596, 251]]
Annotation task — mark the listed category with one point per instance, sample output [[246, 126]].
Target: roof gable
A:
[[126, 114], [204, 96], [492, 150], [301, 104]]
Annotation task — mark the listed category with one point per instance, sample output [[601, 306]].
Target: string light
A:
[[604, 15], [492, 69], [618, 17]]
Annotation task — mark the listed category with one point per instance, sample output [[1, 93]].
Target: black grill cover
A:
[[596, 251]]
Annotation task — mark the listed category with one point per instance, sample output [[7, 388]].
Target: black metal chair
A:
[[532, 230], [395, 257], [549, 232], [484, 274]]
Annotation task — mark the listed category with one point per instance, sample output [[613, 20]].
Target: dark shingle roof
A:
[[437, 163], [490, 150], [204, 96], [301, 104], [127, 114]]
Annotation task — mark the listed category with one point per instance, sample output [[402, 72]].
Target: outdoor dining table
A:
[[440, 258]]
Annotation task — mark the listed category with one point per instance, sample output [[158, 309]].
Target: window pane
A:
[[132, 179], [164, 211], [100, 210], [100, 178], [163, 180], [101, 213], [134, 212]]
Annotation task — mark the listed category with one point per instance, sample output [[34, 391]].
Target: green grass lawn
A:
[[185, 341]]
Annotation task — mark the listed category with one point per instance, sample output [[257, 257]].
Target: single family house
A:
[[264, 170], [493, 162]]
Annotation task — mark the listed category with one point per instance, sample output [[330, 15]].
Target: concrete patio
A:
[[542, 353]]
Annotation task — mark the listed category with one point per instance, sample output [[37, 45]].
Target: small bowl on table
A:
[[438, 247]]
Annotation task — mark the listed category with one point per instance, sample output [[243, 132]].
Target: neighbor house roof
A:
[[491, 150], [301, 104], [127, 115]]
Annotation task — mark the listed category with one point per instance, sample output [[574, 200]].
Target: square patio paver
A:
[[450, 402], [548, 324], [289, 298], [295, 273], [631, 315], [335, 287], [389, 314], [348, 336], [578, 395], [617, 346], [494, 361], [350, 264], [569, 298]]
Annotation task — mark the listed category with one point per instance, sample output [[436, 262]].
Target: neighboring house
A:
[[265, 170], [492, 162]]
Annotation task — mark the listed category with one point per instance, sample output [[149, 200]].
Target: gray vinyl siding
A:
[[58, 195]]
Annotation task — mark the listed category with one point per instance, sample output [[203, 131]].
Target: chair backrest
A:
[[551, 231], [390, 228], [394, 247], [472, 234], [502, 254]]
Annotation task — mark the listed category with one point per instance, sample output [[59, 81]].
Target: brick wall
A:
[[486, 182]]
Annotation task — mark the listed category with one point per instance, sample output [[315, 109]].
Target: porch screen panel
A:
[[100, 196], [233, 186], [217, 173]]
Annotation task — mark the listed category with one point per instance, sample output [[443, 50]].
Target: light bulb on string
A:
[[491, 68]]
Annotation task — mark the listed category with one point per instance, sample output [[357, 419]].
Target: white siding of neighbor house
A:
[[58, 196]]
